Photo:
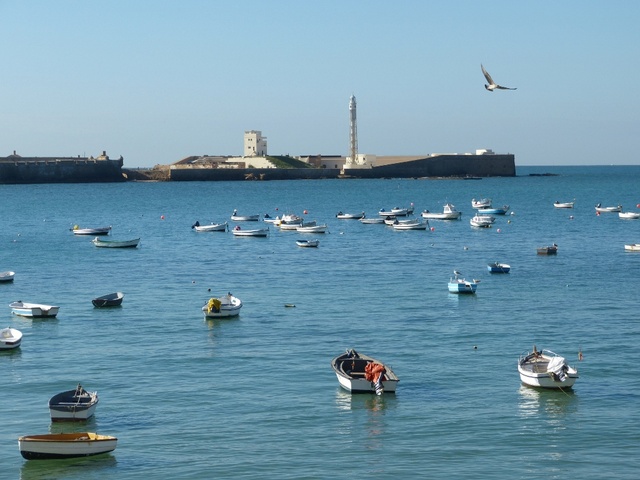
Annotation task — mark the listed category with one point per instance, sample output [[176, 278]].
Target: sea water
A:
[[255, 396]]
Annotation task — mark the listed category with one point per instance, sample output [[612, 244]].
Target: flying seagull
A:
[[493, 85]]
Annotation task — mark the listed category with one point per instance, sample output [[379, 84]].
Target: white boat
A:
[[213, 227], [482, 203], [493, 210], [7, 276], [546, 369], [98, 242], [632, 247], [350, 216], [497, 267], [269, 219], [371, 221], [395, 212], [312, 228], [411, 225], [73, 405], [449, 212], [563, 204], [295, 226], [90, 231], [244, 218], [629, 215], [10, 338], [65, 445], [601, 209], [225, 306], [256, 232], [360, 373], [308, 243], [33, 309], [457, 284], [482, 221]]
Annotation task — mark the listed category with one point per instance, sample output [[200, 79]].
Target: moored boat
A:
[[10, 338], [482, 221], [601, 209], [212, 227], [546, 369], [558, 204], [359, 373], [244, 218], [99, 242], [350, 216], [36, 310], [497, 267], [411, 225], [372, 221], [256, 232], [449, 212], [457, 284], [307, 243], [65, 445], [225, 306], [73, 405], [109, 300], [304, 228], [632, 247], [6, 277], [547, 250], [90, 231], [493, 210], [482, 203], [629, 215]]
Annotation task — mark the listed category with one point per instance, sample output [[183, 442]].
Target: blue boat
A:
[[497, 267], [457, 284], [494, 211]]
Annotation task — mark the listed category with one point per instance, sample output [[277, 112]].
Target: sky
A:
[[157, 80]]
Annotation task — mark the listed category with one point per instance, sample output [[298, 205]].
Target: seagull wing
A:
[[505, 88], [487, 76]]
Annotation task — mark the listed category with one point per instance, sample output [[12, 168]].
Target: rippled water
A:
[[255, 397]]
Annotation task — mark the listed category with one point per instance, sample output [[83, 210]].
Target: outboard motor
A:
[[558, 368]]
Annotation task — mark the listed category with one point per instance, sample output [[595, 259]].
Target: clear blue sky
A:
[[156, 81]]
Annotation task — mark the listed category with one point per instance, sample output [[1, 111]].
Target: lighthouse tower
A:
[[355, 160], [353, 131]]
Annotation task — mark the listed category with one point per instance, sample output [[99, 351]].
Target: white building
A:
[[255, 145]]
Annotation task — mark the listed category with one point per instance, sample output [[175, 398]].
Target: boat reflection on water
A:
[[69, 467], [547, 407], [365, 412], [364, 401]]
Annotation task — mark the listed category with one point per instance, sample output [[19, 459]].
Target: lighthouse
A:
[[355, 160], [353, 131]]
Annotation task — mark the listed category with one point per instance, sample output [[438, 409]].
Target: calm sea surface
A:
[[255, 397]]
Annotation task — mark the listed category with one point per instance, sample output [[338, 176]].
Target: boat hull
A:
[[70, 406], [229, 307], [353, 380], [215, 227], [65, 445], [261, 232], [33, 310], [634, 247], [116, 243], [462, 287], [307, 243], [10, 338], [111, 300], [498, 268], [92, 231], [532, 368], [6, 277]]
